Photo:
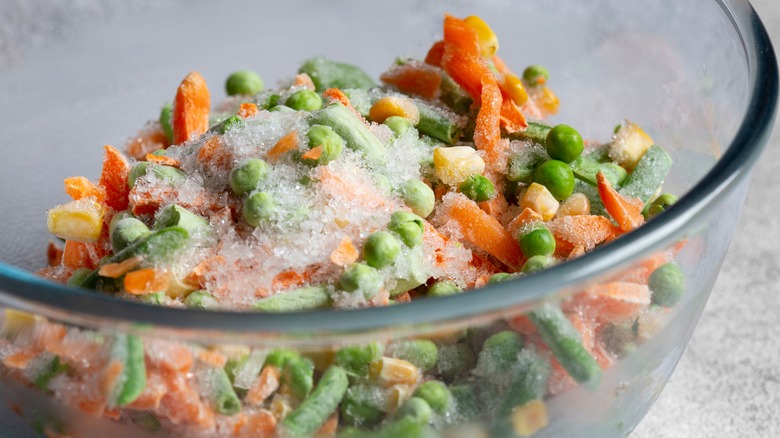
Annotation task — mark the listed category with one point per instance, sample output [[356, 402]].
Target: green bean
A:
[[454, 96], [200, 299], [600, 154], [165, 120], [536, 132], [220, 392], [435, 123], [586, 169], [166, 174], [363, 405], [78, 277], [361, 100], [329, 74], [360, 277], [305, 298], [49, 371], [648, 175], [566, 344], [499, 353], [659, 205], [177, 216], [399, 125], [315, 410], [523, 165], [279, 358], [455, 361], [421, 353], [667, 283], [436, 394], [125, 231], [129, 351], [354, 132], [356, 360], [466, 405], [298, 375], [529, 382]]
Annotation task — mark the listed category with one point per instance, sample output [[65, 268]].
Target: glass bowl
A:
[[700, 76]]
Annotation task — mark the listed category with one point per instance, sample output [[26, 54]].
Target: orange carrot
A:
[[111, 374], [80, 255], [113, 178], [78, 187], [214, 154], [146, 281], [497, 206], [291, 278], [213, 358], [260, 424], [585, 230], [511, 118], [285, 144], [18, 360], [525, 217], [626, 212], [414, 78], [191, 106], [578, 251], [264, 386], [53, 254], [483, 231], [614, 301], [303, 80], [330, 426], [345, 253], [338, 96], [458, 33], [500, 65], [116, 270], [162, 159], [487, 132], [435, 54], [313, 154], [247, 109], [147, 140], [465, 68]]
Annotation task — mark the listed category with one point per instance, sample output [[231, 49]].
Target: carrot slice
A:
[[435, 54], [313, 154], [527, 216], [304, 80], [190, 114], [345, 253], [113, 178], [264, 386], [285, 144], [78, 187], [458, 33], [247, 109], [482, 230], [328, 429], [614, 301], [465, 68], [487, 132], [213, 358], [414, 78], [18, 360], [585, 230], [146, 281], [626, 212], [165, 161]]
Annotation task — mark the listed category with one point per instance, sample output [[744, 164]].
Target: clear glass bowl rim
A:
[[23, 290]]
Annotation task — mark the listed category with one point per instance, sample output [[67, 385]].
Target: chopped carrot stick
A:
[[500, 65], [329, 428], [458, 33], [585, 230], [191, 106], [482, 230], [213, 358], [78, 187], [511, 118], [338, 96], [260, 424], [527, 216], [264, 386], [578, 251], [162, 159], [18, 360], [435, 54], [291, 278], [414, 78], [116, 270], [287, 143], [80, 255], [495, 207], [303, 80], [53, 254], [626, 212], [313, 154], [111, 374], [487, 132], [615, 301], [345, 253], [113, 178], [247, 109], [465, 68], [147, 140], [214, 154], [146, 281]]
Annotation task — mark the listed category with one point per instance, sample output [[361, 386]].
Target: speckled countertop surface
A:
[[728, 381]]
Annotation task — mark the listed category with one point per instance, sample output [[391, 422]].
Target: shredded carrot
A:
[[465, 69], [53, 254], [345, 253], [458, 33], [511, 118], [146, 281], [247, 109], [287, 143], [78, 187], [191, 106], [116, 270], [113, 178], [304, 80], [313, 154], [213, 358], [264, 386], [162, 159], [626, 212], [487, 132], [414, 78]]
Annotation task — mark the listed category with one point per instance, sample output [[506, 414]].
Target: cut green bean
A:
[[329, 74], [659, 205], [499, 353], [531, 372], [305, 298], [363, 405], [586, 169], [298, 375], [454, 96], [466, 404], [435, 123], [52, 368], [177, 216], [356, 360], [200, 299], [648, 175], [421, 353], [128, 350], [279, 358], [315, 410], [536, 132], [166, 174], [220, 392], [125, 231], [566, 344], [165, 120], [354, 132]]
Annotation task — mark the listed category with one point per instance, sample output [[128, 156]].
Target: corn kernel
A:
[[529, 418], [16, 322], [281, 406], [488, 41], [575, 205], [540, 200], [177, 288], [629, 143], [397, 396], [80, 220], [515, 89], [453, 165], [394, 106], [548, 101], [391, 371]]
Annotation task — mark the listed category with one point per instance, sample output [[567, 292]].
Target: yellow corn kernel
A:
[[391, 371], [80, 220], [548, 101], [16, 322], [453, 165], [488, 41], [394, 106], [629, 143], [397, 396], [540, 200], [575, 205], [322, 359], [529, 418], [281, 406], [514, 87]]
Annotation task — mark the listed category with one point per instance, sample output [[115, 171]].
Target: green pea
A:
[[536, 75], [564, 143], [362, 277], [659, 205], [500, 278], [332, 144], [421, 353], [417, 409], [539, 241], [557, 177], [419, 197], [443, 289], [281, 109], [477, 188], [258, 208], [357, 359], [408, 226], [247, 175], [165, 120], [304, 100], [399, 125], [244, 82], [537, 263], [667, 283], [380, 249], [200, 299], [126, 231], [436, 394], [228, 124]]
